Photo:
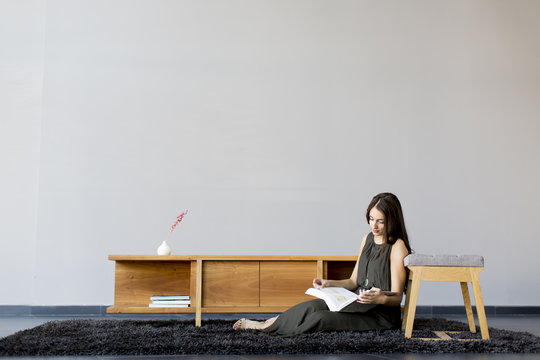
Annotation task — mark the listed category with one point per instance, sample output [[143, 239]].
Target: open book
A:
[[336, 298]]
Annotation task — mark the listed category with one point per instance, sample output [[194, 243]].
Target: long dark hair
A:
[[394, 223]]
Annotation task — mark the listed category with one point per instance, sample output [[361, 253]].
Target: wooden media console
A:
[[228, 283]]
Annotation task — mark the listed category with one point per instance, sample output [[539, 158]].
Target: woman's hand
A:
[[371, 296], [320, 283]]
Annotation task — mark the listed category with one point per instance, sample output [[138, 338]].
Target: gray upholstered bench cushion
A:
[[443, 260]]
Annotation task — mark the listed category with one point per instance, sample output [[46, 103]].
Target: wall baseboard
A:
[[101, 310]]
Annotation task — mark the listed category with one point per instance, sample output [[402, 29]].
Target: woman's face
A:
[[376, 222]]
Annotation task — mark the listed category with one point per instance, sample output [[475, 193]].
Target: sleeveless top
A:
[[374, 266], [373, 271]]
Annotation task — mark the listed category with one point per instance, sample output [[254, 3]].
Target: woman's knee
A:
[[317, 305], [318, 317]]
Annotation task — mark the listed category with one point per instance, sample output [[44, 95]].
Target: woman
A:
[[379, 269]]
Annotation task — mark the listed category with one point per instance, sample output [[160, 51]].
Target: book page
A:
[[336, 298], [335, 294]]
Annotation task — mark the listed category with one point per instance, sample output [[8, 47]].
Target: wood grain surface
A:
[[283, 283], [230, 283]]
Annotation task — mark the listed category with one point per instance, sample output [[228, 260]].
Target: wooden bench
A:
[[462, 269]]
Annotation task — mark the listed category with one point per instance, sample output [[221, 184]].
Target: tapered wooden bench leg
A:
[[479, 304], [406, 307], [468, 307], [413, 298]]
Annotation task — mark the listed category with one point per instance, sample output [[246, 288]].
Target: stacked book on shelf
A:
[[170, 301]]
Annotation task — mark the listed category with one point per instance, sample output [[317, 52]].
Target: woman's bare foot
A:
[[239, 325], [244, 324]]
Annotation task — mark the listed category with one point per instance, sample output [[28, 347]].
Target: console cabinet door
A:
[[230, 283], [284, 283]]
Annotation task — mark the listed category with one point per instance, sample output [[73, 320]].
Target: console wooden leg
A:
[[468, 307], [198, 291]]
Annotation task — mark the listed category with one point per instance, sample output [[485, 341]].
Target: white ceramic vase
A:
[[164, 249]]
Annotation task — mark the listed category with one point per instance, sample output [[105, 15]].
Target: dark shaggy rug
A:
[[175, 337]]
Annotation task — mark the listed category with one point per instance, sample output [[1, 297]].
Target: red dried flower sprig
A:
[[178, 220]]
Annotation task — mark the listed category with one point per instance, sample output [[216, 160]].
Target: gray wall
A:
[[274, 123]]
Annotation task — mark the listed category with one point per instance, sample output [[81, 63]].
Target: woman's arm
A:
[[398, 276], [350, 283]]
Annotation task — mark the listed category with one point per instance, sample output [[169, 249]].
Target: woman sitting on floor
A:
[[379, 268]]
